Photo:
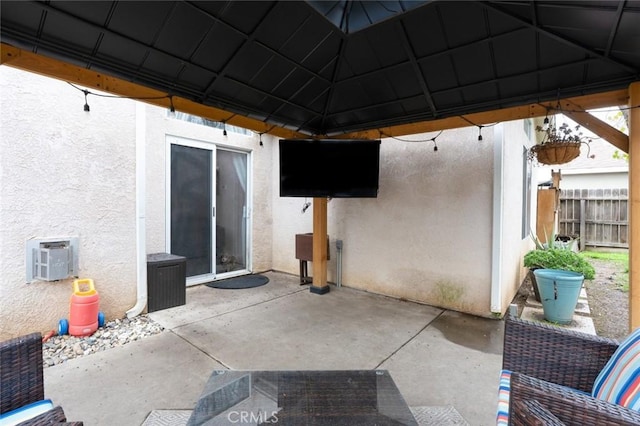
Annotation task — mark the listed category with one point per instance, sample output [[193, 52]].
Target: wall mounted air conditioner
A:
[[52, 259]]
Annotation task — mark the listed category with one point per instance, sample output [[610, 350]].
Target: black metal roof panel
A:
[[328, 67]]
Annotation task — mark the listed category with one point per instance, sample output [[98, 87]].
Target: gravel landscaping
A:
[[59, 349]]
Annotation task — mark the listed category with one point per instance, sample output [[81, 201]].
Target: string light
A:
[[86, 104], [545, 122], [433, 139], [224, 130]]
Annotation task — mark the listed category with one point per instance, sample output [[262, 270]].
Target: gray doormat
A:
[[425, 416], [245, 281], [167, 418], [445, 415]]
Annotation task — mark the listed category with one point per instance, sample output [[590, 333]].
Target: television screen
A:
[[336, 168]]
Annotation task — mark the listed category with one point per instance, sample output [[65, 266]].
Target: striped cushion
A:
[[619, 380], [502, 418], [25, 412]]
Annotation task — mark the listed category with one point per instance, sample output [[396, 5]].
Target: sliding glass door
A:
[[231, 214], [207, 208]]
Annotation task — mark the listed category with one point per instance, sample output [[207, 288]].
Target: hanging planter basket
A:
[[555, 152], [561, 144]]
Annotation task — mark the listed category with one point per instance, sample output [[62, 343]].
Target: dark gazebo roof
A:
[[332, 67]]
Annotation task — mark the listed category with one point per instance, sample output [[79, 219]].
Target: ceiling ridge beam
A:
[[223, 72], [445, 52], [334, 75], [259, 43], [492, 53], [416, 68], [272, 96], [614, 28], [452, 63]]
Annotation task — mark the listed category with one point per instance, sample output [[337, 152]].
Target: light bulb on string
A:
[[86, 104], [172, 110], [545, 122]]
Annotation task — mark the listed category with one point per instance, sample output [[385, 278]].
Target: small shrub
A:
[[554, 258]]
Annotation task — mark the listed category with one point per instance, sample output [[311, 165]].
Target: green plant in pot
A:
[[534, 260], [559, 258], [559, 274]]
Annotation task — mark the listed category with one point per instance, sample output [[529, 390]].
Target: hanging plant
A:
[[560, 144]]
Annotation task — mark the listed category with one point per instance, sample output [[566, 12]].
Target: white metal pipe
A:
[[339, 263], [498, 212], [141, 246]]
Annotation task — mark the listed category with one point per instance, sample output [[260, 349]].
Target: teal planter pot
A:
[[559, 293]]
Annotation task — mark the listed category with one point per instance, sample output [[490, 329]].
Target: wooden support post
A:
[[583, 224], [319, 285], [634, 206]]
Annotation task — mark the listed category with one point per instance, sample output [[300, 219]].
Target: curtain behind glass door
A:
[[231, 211]]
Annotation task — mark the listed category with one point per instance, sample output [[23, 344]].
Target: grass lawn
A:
[[621, 258]]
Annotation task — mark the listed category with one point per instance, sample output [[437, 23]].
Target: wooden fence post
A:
[[583, 224]]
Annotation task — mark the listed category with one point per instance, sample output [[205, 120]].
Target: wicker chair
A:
[[21, 379], [556, 368]]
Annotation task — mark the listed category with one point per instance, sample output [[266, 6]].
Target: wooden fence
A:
[[598, 216]]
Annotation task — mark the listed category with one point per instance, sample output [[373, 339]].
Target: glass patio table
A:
[[328, 397]]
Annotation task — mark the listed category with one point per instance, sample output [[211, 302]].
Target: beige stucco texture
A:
[[445, 230], [64, 173]]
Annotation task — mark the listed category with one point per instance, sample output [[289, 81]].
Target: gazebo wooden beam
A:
[[54, 68], [27, 61], [634, 206], [607, 132], [541, 109]]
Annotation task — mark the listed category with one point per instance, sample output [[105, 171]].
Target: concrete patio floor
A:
[[436, 357]]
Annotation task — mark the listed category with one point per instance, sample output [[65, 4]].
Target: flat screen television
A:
[[336, 168]]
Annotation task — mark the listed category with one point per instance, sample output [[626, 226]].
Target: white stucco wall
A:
[[427, 237], [64, 172], [68, 173], [513, 243]]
